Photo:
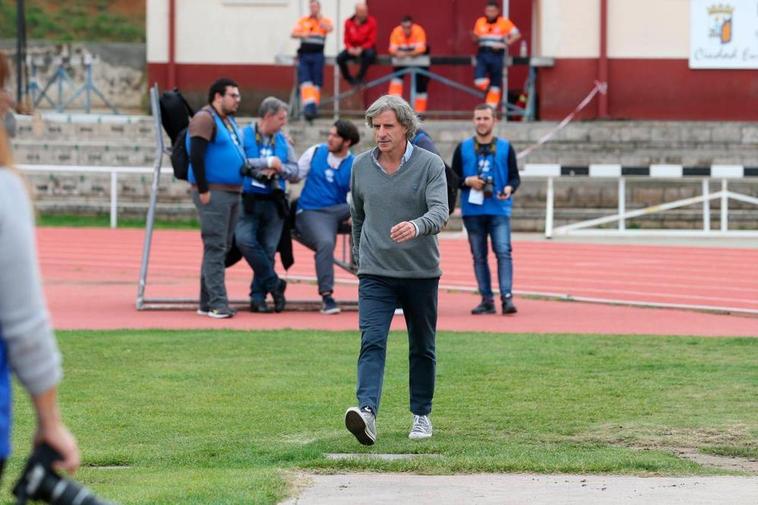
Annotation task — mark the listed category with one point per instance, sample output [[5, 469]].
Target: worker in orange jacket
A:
[[493, 34], [312, 31], [406, 41]]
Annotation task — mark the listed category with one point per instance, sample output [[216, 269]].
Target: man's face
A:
[[389, 135], [276, 121], [407, 28], [230, 101], [491, 12], [334, 142], [315, 8], [484, 122], [361, 11]]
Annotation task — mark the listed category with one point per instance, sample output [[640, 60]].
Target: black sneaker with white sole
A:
[[329, 306]]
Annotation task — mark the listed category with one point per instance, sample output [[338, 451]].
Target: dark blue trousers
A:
[[378, 297]]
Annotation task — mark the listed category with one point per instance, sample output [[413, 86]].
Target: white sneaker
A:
[[398, 311], [362, 424], [422, 428]]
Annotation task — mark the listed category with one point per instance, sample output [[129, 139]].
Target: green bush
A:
[[77, 20]]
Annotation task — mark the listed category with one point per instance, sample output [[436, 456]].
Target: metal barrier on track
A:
[[724, 173]]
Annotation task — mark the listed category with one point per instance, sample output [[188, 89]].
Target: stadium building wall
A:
[[647, 52]]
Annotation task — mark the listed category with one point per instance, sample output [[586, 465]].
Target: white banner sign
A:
[[724, 34]]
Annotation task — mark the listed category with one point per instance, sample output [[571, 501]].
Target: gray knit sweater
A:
[[24, 322], [416, 192]]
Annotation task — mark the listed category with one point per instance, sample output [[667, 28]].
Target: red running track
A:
[[91, 275]]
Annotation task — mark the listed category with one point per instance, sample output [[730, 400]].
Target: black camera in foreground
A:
[[488, 188], [40, 482], [247, 170]]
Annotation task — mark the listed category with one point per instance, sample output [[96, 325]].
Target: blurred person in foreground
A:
[[27, 344]]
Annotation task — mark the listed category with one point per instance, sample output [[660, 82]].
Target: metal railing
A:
[[113, 171], [418, 66], [722, 173]]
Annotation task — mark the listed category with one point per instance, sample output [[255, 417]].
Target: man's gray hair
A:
[[404, 113], [271, 105]]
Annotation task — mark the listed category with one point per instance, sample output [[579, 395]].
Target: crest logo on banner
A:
[[721, 22], [723, 34]]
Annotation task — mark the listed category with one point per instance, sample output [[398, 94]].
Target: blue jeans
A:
[[498, 228], [257, 235], [311, 68], [378, 297], [489, 64]]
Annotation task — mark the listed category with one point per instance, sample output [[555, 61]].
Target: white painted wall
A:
[[648, 29], [570, 28], [235, 31], [157, 31], [254, 31]]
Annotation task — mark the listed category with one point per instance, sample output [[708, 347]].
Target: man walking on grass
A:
[[399, 205]]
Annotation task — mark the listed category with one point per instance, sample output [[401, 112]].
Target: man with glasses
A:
[[216, 155]]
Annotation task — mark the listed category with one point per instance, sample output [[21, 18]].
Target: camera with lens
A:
[[41, 483], [488, 188], [247, 170]]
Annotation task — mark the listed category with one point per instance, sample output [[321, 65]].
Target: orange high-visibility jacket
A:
[[493, 35], [416, 42], [312, 29]]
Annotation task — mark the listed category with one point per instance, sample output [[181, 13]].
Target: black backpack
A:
[[450, 176], [452, 188], [175, 117]]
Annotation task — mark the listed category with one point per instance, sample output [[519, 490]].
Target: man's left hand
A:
[[403, 231], [505, 193]]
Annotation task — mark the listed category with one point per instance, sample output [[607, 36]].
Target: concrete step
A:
[[629, 143], [82, 153]]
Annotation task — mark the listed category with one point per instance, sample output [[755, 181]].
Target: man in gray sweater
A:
[[399, 205]]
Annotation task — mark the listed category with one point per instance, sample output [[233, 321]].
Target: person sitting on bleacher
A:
[[322, 205]]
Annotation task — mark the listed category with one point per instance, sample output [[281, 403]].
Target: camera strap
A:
[[485, 156]]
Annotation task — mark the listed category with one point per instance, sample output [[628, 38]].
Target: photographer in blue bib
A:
[[488, 173], [322, 205], [271, 162], [214, 143]]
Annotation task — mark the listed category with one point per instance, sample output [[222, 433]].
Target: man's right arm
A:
[[458, 167], [198, 146], [32, 351], [346, 37], [357, 215], [304, 163], [297, 31], [200, 132]]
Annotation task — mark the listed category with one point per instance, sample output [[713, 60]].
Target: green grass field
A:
[[198, 417], [104, 220]]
